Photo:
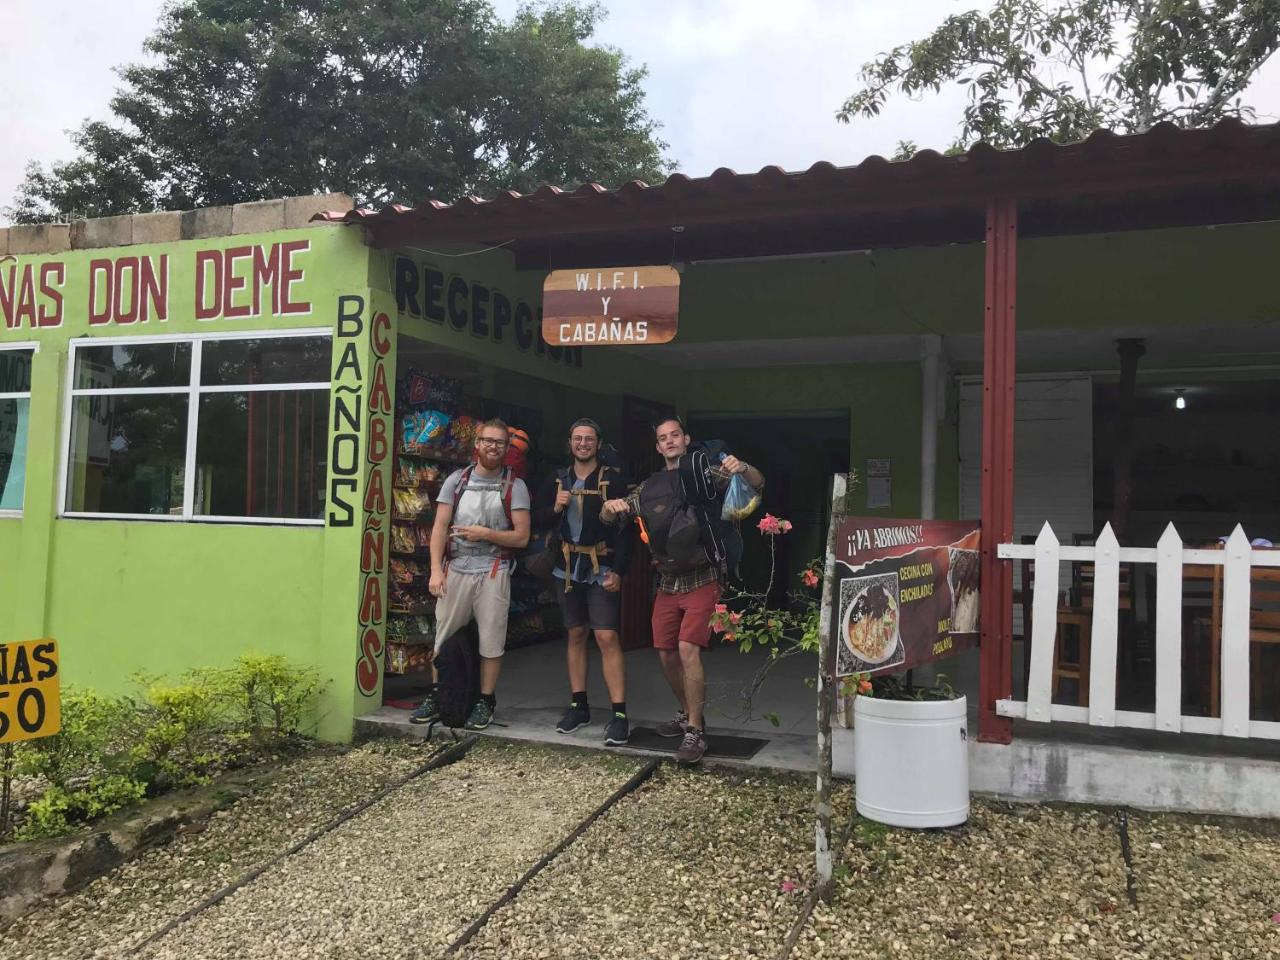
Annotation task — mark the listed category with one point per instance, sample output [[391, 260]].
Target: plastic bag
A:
[[740, 500]]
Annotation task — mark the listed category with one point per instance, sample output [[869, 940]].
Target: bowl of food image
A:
[[871, 621]]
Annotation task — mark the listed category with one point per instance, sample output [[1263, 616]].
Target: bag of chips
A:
[[423, 428]]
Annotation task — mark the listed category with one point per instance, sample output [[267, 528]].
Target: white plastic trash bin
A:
[[911, 761]]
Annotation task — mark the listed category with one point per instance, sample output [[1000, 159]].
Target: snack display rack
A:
[[419, 472], [436, 426]]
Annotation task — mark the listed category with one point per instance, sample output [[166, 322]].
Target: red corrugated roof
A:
[[1165, 157]]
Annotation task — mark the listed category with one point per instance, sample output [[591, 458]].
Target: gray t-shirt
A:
[[479, 504]]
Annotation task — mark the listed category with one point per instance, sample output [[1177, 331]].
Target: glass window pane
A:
[[127, 454], [15, 371], [269, 360], [13, 452], [138, 365], [263, 454]]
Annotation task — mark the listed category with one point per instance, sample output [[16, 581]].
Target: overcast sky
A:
[[737, 83]]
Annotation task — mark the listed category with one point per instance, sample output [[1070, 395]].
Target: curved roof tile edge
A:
[[1099, 143]]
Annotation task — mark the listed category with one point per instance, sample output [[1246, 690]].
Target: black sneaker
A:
[[675, 727], [573, 718], [617, 731], [427, 711], [480, 717]]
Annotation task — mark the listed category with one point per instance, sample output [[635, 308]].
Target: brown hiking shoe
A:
[[675, 727], [692, 747]]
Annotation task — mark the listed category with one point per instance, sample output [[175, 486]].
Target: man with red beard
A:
[[482, 518]]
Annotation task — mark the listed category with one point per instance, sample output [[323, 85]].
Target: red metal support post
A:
[[999, 379]]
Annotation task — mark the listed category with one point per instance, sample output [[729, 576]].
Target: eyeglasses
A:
[[490, 442]]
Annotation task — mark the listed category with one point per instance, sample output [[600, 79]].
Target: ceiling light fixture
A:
[[1179, 402]]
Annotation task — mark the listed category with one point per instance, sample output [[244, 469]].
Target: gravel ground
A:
[[113, 913], [406, 876], [1050, 883], [699, 864], [691, 865]]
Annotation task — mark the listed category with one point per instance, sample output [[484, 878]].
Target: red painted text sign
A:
[[236, 283], [617, 306], [905, 592]]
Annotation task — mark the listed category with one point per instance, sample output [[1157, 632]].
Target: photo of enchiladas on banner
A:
[[906, 592]]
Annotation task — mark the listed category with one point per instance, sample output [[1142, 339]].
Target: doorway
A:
[[798, 453]]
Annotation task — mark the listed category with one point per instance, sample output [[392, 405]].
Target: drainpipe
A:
[[930, 350]]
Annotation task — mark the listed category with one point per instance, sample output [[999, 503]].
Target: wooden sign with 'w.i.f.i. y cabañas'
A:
[[617, 306]]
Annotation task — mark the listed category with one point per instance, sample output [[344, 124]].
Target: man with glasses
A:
[[591, 561], [482, 518]]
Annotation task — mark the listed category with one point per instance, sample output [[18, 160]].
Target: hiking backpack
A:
[[680, 509], [508, 483], [458, 684]]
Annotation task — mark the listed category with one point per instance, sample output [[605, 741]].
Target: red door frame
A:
[[999, 375]]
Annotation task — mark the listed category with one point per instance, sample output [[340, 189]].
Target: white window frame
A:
[[193, 391], [34, 347]]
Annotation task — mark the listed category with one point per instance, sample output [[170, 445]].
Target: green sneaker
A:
[[427, 711], [480, 717]]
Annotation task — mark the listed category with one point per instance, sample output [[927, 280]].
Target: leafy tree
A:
[[1061, 71], [387, 100]]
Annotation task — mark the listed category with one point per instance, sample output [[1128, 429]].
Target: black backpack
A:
[[723, 538], [458, 684], [681, 512]]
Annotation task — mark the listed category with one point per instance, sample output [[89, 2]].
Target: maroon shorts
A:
[[684, 617]]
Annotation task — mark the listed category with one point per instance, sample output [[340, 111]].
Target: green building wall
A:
[[123, 596], [160, 597]]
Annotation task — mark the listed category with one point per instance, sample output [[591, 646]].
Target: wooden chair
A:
[[1264, 630], [1079, 612], [1074, 628]]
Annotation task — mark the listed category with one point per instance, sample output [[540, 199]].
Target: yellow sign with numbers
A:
[[30, 698]]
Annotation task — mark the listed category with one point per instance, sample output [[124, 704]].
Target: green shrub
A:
[[93, 741], [270, 698], [59, 810], [183, 732], [112, 751]]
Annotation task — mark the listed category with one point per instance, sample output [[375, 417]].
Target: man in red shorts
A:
[[686, 597]]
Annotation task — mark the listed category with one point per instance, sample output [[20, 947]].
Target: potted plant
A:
[[910, 741], [910, 752]]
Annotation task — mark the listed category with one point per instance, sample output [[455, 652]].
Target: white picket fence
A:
[[1169, 557]]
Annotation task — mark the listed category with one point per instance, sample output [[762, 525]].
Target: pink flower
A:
[[735, 618], [721, 608], [786, 526], [864, 686], [730, 637], [1276, 918], [788, 886], [769, 524], [810, 578]]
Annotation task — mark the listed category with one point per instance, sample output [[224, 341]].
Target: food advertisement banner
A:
[[905, 592]]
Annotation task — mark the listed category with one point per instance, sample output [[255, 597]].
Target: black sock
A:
[[579, 700], [490, 699], [620, 707]]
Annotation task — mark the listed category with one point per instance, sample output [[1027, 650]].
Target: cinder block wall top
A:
[[261, 216]]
